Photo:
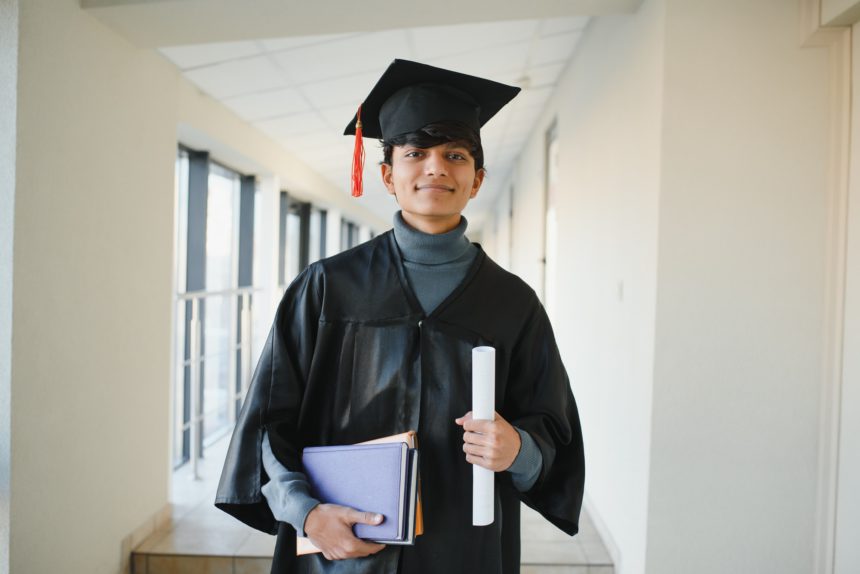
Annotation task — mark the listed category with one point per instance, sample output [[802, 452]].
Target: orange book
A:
[[305, 546]]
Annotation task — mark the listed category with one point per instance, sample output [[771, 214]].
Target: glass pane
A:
[[216, 365], [220, 329], [220, 231], [180, 243], [315, 230], [293, 247], [259, 247]]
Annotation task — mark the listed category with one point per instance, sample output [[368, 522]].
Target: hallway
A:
[[677, 181]]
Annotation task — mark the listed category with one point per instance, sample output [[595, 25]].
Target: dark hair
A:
[[435, 134]]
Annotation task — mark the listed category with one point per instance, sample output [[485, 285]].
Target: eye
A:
[[413, 153], [455, 155]]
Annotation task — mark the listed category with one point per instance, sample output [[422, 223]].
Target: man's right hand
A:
[[329, 527]]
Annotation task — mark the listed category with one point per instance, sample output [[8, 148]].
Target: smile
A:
[[434, 187]]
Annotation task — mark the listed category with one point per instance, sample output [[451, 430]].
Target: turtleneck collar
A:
[[427, 248]]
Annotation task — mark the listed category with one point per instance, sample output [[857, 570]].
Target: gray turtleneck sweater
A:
[[435, 265]]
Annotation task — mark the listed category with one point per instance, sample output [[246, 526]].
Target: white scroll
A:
[[483, 408]]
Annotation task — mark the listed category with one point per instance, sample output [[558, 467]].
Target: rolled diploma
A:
[[483, 408]]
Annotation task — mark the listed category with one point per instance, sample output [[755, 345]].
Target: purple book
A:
[[372, 477]]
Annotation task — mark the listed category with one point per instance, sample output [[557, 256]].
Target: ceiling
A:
[[303, 90]]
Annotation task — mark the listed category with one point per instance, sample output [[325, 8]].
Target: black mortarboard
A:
[[410, 95]]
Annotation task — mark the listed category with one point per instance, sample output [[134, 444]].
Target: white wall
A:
[[8, 113], [92, 291], [739, 331], [608, 109], [847, 554], [693, 198], [97, 130]]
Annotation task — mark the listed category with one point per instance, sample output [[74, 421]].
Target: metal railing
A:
[[196, 359]]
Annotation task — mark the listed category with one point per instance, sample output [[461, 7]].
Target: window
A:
[[215, 209], [348, 234], [294, 244], [317, 234]]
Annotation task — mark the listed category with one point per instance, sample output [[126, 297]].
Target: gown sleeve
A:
[[540, 401], [272, 404]]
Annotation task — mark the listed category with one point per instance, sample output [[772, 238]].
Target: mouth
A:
[[434, 187]]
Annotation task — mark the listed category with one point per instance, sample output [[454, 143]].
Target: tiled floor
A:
[[204, 540]]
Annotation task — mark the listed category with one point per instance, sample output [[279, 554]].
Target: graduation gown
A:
[[352, 357]]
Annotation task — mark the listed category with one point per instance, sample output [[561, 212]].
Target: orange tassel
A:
[[358, 158]]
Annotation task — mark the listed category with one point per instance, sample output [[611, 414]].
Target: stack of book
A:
[[379, 476]]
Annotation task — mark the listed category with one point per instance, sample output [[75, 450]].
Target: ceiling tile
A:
[[338, 117], [346, 56], [531, 98], [202, 54], [556, 48], [544, 76], [441, 41], [488, 62], [553, 26], [266, 105], [292, 125], [343, 91], [278, 44], [310, 142], [237, 77]]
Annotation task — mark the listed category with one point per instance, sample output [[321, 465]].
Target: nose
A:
[[434, 163]]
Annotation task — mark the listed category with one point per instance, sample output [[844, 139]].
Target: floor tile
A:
[[553, 553], [190, 565], [138, 564], [200, 543], [595, 552], [252, 565], [152, 541], [258, 545], [554, 569]]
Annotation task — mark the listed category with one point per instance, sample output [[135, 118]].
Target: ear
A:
[[476, 184], [387, 178]]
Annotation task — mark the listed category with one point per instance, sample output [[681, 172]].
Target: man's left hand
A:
[[491, 444]]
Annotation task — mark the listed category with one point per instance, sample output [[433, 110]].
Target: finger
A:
[[480, 426], [464, 418], [476, 450], [477, 439], [357, 516]]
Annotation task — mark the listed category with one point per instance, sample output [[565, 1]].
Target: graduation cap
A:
[[411, 95]]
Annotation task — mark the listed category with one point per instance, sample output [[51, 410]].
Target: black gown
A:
[[352, 357]]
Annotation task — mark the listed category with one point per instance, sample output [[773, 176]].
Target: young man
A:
[[377, 341]]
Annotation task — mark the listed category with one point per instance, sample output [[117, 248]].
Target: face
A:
[[432, 184]]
